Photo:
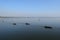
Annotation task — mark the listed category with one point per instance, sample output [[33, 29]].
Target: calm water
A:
[[34, 31]]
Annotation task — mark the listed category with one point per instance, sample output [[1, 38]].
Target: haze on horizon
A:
[[30, 8]]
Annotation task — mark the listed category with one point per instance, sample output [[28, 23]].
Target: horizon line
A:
[[25, 17]]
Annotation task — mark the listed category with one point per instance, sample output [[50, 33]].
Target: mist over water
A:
[[34, 31]]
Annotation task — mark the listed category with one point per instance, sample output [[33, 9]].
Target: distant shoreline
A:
[[29, 17]]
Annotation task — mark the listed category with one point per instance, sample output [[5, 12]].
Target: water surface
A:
[[34, 31]]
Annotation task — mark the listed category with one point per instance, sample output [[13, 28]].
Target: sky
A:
[[30, 8]]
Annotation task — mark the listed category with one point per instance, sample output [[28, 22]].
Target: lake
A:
[[34, 31]]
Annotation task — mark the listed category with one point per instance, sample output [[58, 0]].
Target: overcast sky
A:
[[30, 8]]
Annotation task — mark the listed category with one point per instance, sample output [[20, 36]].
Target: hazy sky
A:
[[34, 8]]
